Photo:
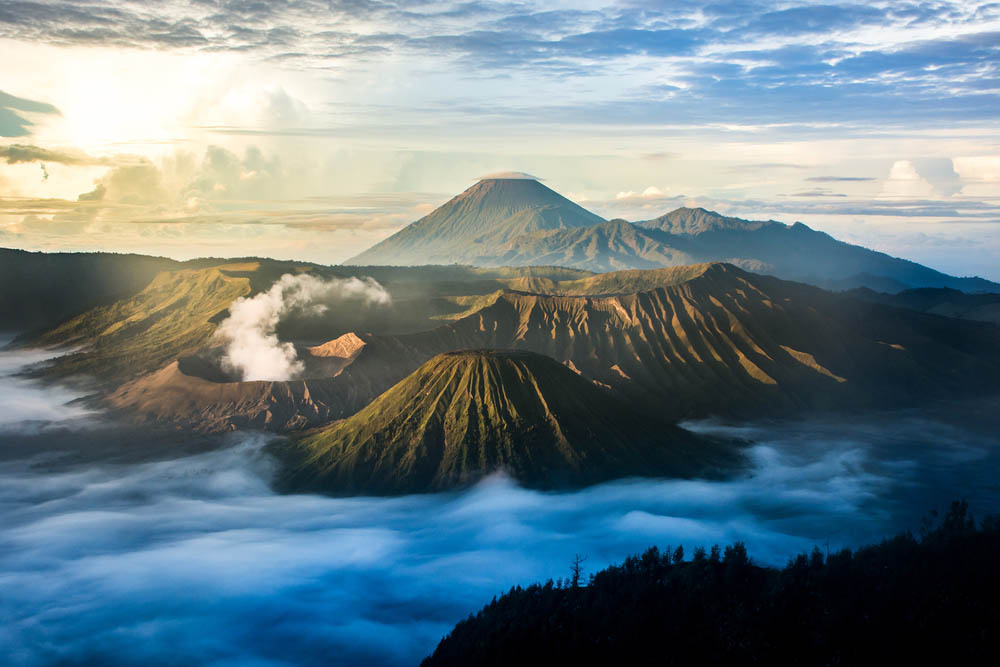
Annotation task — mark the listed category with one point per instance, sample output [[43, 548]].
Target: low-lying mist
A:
[[196, 559]]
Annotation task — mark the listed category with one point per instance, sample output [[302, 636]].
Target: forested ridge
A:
[[919, 599]]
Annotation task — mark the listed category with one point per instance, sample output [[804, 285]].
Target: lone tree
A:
[[575, 570]]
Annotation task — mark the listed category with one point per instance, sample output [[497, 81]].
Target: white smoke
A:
[[250, 332]]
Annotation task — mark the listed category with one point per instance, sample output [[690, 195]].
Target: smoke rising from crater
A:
[[252, 348]]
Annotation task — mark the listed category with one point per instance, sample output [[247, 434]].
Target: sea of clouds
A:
[[194, 560]]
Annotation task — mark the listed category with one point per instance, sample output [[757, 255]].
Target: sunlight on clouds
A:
[[230, 123], [980, 175], [904, 182]]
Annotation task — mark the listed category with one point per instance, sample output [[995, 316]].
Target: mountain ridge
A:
[[521, 222], [466, 414]]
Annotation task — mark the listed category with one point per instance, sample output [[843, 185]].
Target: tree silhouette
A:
[[903, 601], [576, 570]]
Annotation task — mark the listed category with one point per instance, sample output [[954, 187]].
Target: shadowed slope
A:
[[794, 252], [466, 414], [608, 246], [939, 301]]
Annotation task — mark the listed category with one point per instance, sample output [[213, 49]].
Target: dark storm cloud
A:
[[14, 124]]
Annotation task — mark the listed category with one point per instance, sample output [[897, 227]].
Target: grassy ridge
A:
[[463, 415]]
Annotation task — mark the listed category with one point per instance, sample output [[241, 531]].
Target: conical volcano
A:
[[490, 213], [463, 415]]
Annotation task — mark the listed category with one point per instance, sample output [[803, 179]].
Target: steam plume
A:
[[252, 346]]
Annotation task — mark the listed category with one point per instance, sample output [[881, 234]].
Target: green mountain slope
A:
[[172, 317], [463, 415]]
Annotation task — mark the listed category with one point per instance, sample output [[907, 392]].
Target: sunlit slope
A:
[[176, 314], [474, 223], [172, 317], [734, 343], [466, 414]]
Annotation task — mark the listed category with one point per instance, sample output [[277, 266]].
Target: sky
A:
[[310, 130]]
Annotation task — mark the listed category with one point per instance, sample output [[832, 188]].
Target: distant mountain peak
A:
[[693, 221], [485, 216]]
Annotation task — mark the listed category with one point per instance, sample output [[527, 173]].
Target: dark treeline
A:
[[909, 600]]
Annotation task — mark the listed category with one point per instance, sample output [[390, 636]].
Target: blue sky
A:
[[312, 129]]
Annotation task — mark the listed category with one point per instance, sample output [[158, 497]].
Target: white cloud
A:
[[980, 175], [905, 182]]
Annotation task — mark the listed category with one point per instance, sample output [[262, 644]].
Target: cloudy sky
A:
[[306, 129]]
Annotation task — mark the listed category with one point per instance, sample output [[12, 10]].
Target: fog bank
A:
[[194, 560]]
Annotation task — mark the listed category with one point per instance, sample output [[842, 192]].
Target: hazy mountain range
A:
[[521, 222], [530, 357]]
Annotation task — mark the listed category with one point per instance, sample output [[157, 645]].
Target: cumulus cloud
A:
[[980, 175], [249, 334], [905, 182]]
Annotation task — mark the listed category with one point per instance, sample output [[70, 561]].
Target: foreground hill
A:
[[463, 415], [905, 601]]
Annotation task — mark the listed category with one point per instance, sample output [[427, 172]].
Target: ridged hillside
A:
[[695, 341], [170, 318], [463, 415], [728, 342]]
